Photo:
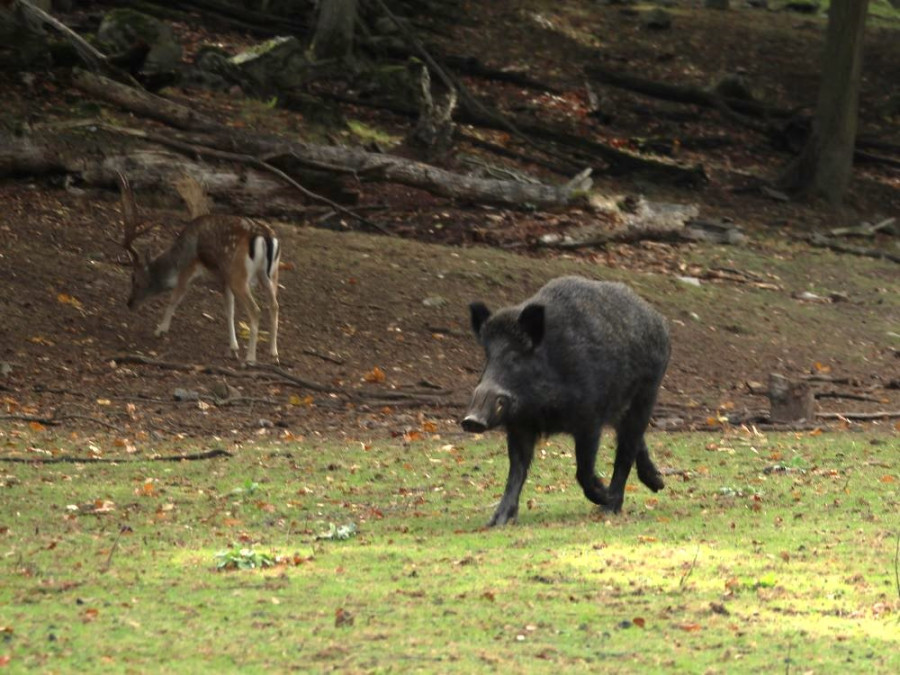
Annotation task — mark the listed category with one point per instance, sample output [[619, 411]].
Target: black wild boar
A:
[[577, 355]]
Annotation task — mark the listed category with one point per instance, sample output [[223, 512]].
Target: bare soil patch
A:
[[353, 303]]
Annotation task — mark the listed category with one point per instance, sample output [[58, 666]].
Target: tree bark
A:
[[825, 164], [333, 38]]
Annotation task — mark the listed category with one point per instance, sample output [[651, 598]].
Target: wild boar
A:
[[576, 356]]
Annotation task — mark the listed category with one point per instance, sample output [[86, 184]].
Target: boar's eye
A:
[[500, 405]]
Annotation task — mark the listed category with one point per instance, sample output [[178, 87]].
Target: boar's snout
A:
[[487, 410], [473, 425]]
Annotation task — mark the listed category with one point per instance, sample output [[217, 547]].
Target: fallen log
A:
[[681, 94], [583, 150], [386, 167], [820, 241]]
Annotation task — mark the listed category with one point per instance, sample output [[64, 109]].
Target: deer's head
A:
[[141, 286]]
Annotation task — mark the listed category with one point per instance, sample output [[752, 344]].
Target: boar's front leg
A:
[[586, 444], [520, 446]]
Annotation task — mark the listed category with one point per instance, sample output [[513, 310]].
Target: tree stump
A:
[[790, 401]]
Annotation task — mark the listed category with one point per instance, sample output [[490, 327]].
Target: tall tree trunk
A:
[[824, 166], [334, 29]]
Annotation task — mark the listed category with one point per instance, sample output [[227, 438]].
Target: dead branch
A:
[[628, 236], [141, 102], [846, 395], [249, 160], [254, 371], [299, 381], [324, 357], [583, 149], [68, 459], [681, 94], [859, 415], [873, 158], [865, 230], [469, 65], [56, 420], [821, 241], [504, 151]]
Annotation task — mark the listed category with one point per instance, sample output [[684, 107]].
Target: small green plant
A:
[[341, 533], [248, 489], [369, 133], [243, 559]]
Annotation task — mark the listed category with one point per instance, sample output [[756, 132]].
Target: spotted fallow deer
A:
[[237, 251]]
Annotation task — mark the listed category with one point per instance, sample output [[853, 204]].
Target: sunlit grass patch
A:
[[763, 551]]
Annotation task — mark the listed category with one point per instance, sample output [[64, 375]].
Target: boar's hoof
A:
[[653, 481], [503, 516], [594, 490], [614, 503]]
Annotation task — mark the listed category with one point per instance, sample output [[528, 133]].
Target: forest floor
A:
[[381, 323]]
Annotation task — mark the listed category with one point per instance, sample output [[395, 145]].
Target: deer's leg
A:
[[271, 286], [233, 347], [242, 293], [181, 287]]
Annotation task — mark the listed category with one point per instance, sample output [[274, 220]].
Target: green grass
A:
[[765, 553]]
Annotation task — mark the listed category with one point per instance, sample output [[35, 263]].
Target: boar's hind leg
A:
[[646, 469], [520, 446], [586, 445], [631, 449]]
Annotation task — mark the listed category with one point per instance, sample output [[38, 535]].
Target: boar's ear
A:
[[532, 322], [479, 313]]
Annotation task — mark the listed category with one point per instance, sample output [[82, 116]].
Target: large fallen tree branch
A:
[[389, 167], [248, 160], [681, 94], [583, 150], [821, 241]]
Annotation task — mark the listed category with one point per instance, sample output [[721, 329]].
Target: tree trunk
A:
[[333, 38], [23, 43], [825, 164]]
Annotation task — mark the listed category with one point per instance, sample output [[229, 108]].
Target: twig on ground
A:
[[299, 381], [846, 395], [690, 570], [897, 565], [68, 459], [56, 420], [122, 530], [324, 357], [885, 414]]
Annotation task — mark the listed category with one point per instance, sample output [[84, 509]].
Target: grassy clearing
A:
[[764, 553]]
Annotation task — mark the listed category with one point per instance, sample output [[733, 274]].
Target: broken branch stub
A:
[[790, 401]]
